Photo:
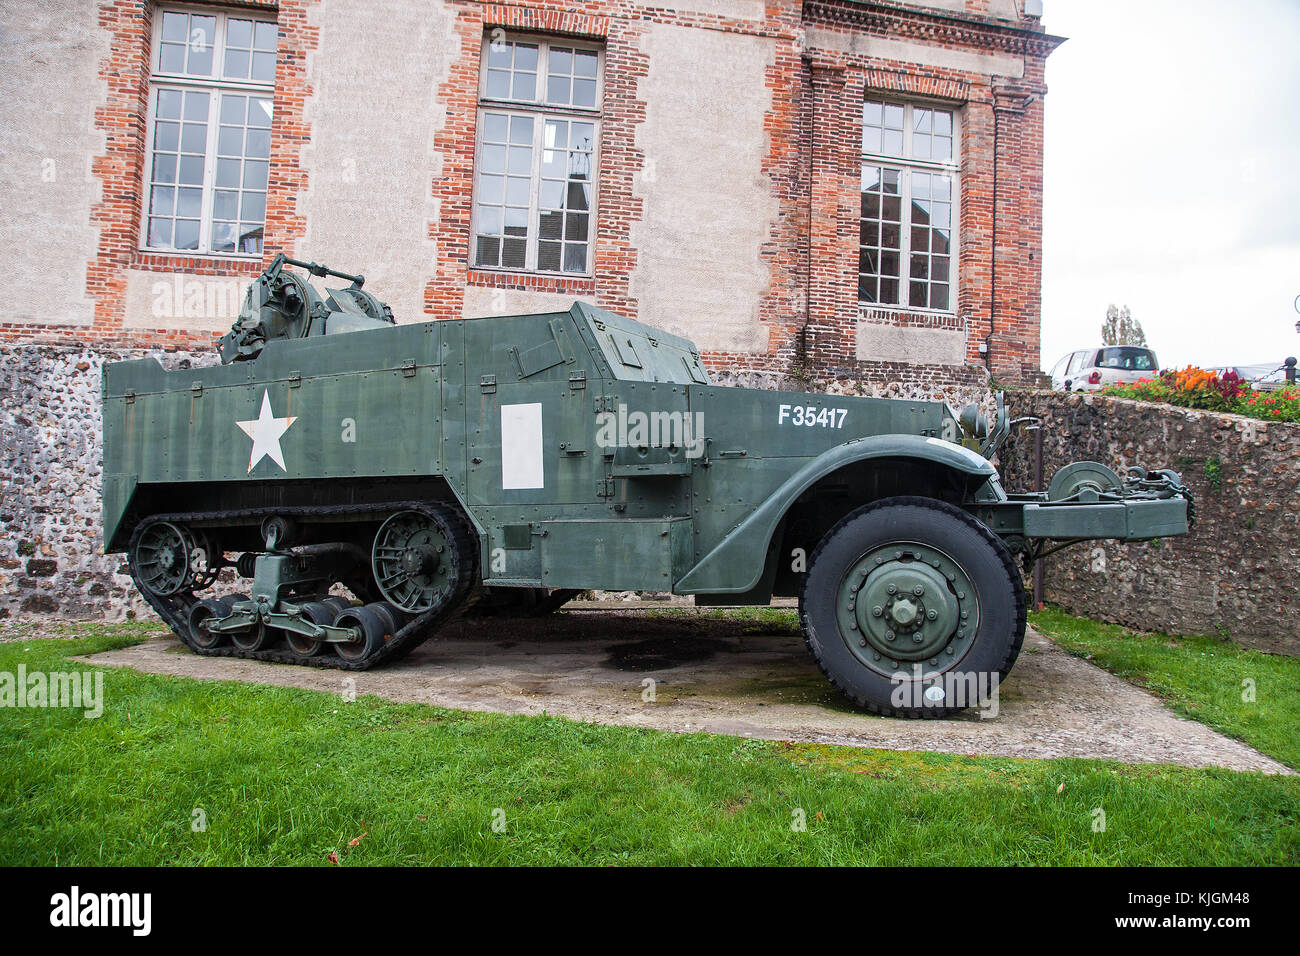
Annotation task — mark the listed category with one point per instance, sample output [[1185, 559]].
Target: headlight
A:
[[973, 423]]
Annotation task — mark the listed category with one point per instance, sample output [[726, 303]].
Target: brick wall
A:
[[818, 73], [1235, 574]]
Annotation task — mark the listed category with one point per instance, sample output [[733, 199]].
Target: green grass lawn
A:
[[1200, 677], [292, 776]]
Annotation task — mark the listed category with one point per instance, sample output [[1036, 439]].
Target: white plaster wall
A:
[[371, 163], [909, 51], [481, 302], [180, 300], [49, 90], [707, 206], [734, 9], [893, 343]]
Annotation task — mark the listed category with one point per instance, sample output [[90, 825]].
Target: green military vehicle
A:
[[419, 467]]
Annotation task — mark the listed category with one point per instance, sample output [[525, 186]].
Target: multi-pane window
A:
[[209, 132], [535, 179], [909, 193]]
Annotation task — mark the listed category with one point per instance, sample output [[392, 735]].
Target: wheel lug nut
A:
[[932, 614], [918, 590], [965, 614], [877, 611], [889, 635], [892, 589], [916, 638], [862, 643]]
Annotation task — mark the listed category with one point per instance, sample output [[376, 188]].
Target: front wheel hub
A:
[[907, 604]]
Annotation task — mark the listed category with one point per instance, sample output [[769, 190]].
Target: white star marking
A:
[[265, 430]]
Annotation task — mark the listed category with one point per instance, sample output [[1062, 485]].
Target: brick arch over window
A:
[[912, 83]]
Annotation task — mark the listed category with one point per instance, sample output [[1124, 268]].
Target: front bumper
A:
[[1139, 520], [1146, 505]]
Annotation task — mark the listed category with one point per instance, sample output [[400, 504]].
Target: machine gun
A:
[[283, 305]]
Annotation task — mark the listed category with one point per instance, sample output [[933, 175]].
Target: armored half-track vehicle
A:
[[368, 481]]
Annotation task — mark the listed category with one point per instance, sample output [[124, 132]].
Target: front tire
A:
[[913, 608]]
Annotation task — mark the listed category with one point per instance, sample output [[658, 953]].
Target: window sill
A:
[[909, 316], [198, 263], [531, 281]]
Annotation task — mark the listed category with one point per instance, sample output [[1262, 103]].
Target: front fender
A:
[[730, 568]]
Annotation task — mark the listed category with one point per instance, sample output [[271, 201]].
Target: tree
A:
[[1120, 328]]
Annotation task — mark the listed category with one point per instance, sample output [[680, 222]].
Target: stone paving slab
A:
[[735, 677]]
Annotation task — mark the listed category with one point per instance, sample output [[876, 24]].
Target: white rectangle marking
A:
[[521, 446]]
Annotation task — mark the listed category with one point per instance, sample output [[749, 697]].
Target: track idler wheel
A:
[[375, 624]]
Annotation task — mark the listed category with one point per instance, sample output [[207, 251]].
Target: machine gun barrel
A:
[[317, 269]]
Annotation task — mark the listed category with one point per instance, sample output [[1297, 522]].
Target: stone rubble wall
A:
[[1235, 575], [957, 385], [51, 462]]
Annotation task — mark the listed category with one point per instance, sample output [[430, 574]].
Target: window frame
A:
[[540, 110], [905, 165], [214, 85]]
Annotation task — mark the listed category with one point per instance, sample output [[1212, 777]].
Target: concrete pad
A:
[[740, 678]]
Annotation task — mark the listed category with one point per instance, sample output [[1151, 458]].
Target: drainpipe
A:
[[1013, 101], [801, 345], [993, 249]]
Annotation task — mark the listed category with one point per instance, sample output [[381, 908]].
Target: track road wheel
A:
[[336, 604], [258, 638], [912, 608], [318, 613], [200, 615], [374, 624]]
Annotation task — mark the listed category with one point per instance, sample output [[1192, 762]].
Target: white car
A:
[[1090, 369]]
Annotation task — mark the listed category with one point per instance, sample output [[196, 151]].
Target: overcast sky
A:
[[1172, 174]]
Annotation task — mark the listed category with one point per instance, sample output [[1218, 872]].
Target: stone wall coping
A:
[[1192, 414]]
